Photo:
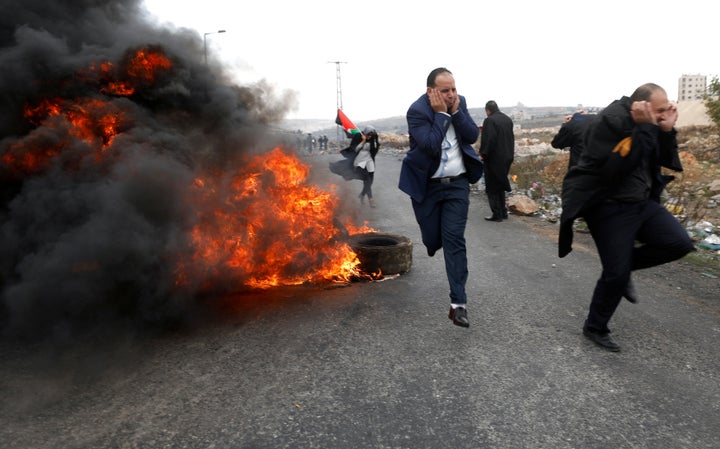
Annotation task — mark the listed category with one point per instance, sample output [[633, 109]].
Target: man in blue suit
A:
[[437, 172]]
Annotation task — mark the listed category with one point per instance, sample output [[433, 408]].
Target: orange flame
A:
[[261, 226], [94, 120], [141, 69], [90, 120], [272, 228], [147, 63]]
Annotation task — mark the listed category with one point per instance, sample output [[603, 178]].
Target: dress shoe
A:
[[458, 315], [493, 218], [601, 339], [630, 294]]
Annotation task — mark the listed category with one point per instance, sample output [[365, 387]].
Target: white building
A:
[[692, 87]]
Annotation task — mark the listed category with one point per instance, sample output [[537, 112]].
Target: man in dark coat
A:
[[616, 187], [571, 135], [437, 172], [497, 150]]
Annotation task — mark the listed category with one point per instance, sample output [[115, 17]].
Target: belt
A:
[[447, 179]]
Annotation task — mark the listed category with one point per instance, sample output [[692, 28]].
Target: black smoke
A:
[[85, 240]]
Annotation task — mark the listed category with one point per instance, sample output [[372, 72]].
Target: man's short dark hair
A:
[[434, 74], [644, 92], [492, 106]]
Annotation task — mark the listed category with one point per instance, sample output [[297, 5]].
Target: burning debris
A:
[[134, 176]]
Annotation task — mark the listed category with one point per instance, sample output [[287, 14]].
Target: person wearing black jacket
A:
[[616, 187], [497, 150], [571, 135]]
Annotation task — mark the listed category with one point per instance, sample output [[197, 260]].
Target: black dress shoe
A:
[[493, 218], [601, 339], [630, 294], [459, 317]]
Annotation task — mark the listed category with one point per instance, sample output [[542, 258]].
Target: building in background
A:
[[692, 87]]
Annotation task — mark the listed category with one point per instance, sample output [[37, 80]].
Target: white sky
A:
[[539, 53]]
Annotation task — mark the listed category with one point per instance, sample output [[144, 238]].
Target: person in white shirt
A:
[[437, 172], [364, 162]]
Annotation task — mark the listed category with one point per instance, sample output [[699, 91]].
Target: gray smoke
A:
[[87, 239]]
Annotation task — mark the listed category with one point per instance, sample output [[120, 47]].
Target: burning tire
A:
[[384, 253]]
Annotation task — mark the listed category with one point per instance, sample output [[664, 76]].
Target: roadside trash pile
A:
[[704, 233]]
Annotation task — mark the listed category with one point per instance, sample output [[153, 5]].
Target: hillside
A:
[[692, 113]]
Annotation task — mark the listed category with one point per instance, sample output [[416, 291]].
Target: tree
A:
[[712, 101]]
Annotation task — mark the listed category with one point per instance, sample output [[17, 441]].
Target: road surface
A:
[[379, 364]]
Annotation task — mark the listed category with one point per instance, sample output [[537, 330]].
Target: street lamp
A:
[[205, 35], [205, 41]]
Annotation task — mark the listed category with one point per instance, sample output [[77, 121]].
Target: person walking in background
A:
[[497, 150], [437, 172], [310, 143], [359, 161], [616, 186], [571, 134], [364, 162]]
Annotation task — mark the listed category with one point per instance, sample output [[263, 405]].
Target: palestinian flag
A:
[[348, 126]]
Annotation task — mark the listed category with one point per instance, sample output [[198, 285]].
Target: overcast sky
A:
[[539, 53]]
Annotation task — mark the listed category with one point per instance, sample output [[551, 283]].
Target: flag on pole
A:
[[349, 127]]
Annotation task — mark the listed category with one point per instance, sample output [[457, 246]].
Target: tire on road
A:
[[384, 253]]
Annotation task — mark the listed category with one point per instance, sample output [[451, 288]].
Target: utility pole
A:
[[338, 83]]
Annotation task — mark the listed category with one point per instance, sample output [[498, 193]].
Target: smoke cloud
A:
[[90, 226]]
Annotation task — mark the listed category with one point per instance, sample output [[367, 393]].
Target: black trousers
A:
[[367, 178], [497, 201], [615, 228]]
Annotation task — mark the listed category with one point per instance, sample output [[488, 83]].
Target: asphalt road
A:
[[379, 365]]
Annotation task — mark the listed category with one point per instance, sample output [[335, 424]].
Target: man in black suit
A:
[[571, 135], [616, 187], [497, 150]]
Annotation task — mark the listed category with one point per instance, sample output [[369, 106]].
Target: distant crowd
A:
[[310, 143]]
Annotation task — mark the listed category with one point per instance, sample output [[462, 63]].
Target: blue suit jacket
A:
[[427, 130]]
